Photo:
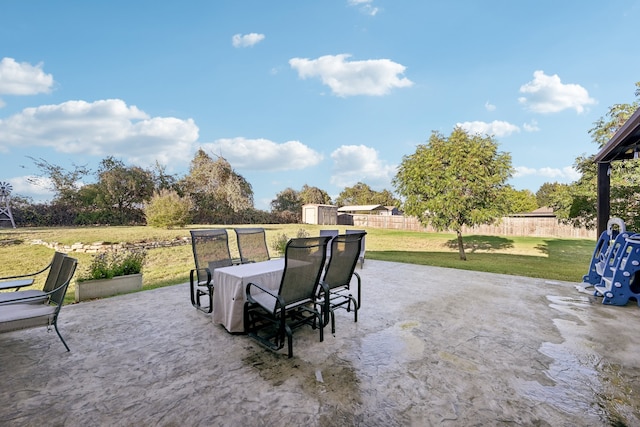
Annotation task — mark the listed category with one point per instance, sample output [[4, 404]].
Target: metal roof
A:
[[362, 208], [624, 143]]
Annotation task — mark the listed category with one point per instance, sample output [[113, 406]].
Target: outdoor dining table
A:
[[230, 283]]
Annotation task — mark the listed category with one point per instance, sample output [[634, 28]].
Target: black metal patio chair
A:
[[270, 316], [23, 280], [338, 276], [34, 311], [210, 251], [252, 244]]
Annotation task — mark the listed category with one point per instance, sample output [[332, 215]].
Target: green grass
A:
[[547, 258]]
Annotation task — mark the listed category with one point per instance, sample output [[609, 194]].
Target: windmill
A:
[[5, 207]]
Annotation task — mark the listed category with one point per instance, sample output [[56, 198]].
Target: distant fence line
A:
[[507, 226]]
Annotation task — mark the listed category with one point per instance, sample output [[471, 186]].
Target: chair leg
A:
[[289, 334], [333, 322], [55, 325], [197, 304]]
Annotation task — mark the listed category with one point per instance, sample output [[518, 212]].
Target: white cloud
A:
[[23, 78], [495, 128], [547, 94], [354, 163], [347, 78], [489, 106], [264, 155], [366, 6], [101, 128], [25, 186], [246, 40], [531, 126], [567, 173]]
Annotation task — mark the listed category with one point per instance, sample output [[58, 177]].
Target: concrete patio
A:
[[432, 346]]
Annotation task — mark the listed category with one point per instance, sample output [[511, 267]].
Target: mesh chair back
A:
[[304, 259], [345, 250], [252, 244], [54, 271], [362, 247], [210, 250], [67, 269], [332, 234]]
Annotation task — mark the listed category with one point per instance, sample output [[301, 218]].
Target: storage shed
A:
[[319, 214]]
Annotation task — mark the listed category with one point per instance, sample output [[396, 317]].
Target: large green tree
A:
[[362, 194], [217, 191], [123, 189], [314, 195], [455, 181], [519, 201], [578, 207], [549, 192], [288, 200]]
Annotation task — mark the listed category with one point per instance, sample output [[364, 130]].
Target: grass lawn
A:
[[547, 258]]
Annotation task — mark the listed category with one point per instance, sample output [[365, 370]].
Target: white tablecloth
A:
[[229, 289]]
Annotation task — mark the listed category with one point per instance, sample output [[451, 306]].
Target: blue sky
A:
[[325, 93]]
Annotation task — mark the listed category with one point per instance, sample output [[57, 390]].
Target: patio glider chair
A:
[[32, 312], [210, 251], [252, 244], [339, 273], [332, 234], [24, 280], [362, 249], [270, 316]]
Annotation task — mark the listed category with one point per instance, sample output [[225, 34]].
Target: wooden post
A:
[[604, 196]]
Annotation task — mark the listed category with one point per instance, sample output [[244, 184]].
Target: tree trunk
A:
[[463, 257]]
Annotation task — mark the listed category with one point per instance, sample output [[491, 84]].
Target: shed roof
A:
[[319, 204], [362, 208]]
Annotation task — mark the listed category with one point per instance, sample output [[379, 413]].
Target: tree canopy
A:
[[314, 195], [123, 189], [362, 194], [216, 190], [519, 201], [577, 204], [455, 181], [288, 203]]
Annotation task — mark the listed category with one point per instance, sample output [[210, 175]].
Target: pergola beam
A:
[[625, 144]]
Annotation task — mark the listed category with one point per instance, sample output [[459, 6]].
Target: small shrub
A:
[[106, 265], [280, 243], [167, 209]]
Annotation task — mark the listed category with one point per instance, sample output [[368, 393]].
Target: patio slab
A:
[[432, 346]]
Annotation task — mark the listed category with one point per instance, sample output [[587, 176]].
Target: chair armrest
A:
[[193, 275], [256, 285], [16, 284], [278, 300], [20, 276], [44, 297]]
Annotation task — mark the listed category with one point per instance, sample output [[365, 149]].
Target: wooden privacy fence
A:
[[507, 226]]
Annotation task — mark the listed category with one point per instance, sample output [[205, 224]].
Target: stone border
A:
[[106, 247]]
